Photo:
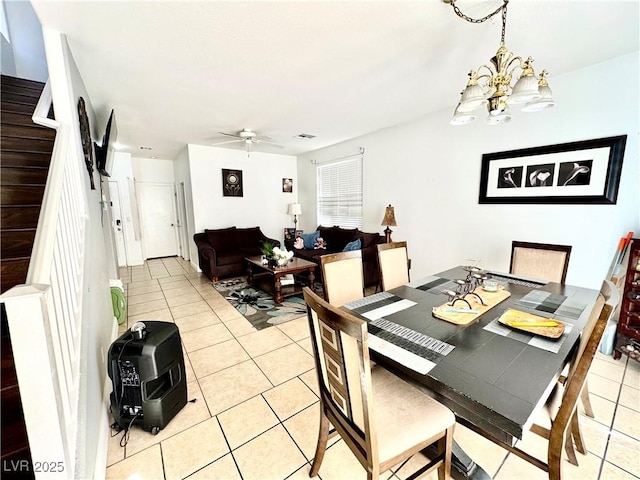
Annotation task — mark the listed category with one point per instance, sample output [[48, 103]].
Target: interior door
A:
[[158, 219], [117, 223]]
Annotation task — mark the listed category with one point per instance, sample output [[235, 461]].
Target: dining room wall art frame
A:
[[583, 172], [232, 183]]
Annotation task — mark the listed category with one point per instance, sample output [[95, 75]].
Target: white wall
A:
[[23, 53], [264, 204], [122, 173], [429, 171], [97, 311]]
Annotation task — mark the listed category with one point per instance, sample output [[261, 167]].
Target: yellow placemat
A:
[[490, 298]]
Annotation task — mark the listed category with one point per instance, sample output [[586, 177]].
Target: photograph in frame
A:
[[584, 172]]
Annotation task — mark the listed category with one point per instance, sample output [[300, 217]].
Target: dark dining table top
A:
[[491, 381]]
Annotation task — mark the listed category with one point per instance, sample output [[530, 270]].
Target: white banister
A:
[[44, 315]]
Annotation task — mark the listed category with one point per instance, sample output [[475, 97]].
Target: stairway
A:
[[25, 153]]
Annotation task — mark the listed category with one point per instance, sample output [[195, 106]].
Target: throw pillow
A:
[[309, 239], [355, 245]]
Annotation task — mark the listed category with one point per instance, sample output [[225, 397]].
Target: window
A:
[[340, 193]]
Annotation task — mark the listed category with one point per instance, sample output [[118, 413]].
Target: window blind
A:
[[340, 193]]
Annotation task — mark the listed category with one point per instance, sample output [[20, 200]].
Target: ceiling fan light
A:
[[545, 101], [525, 90]]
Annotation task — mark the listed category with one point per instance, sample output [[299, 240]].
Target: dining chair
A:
[[561, 407], [544, 261], [343, 277], [381, 418], [393, 262], [547, 262]]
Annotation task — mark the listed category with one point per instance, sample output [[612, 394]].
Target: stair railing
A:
[[44, 314]]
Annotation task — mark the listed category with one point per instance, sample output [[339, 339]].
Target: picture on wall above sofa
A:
[[231, 183]]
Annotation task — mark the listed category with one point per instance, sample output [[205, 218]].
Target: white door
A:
[[117, 223], [158, 219]]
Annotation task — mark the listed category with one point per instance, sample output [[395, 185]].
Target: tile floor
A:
[[254, 408]]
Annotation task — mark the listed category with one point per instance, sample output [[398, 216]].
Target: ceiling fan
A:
[[249, 137]]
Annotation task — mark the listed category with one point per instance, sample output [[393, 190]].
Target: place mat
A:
[[545, 303], [490, 298], [527, 323]]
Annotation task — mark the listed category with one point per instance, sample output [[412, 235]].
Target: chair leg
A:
[[568, 448], [321, 447], [576, 433], [586, 402], [554, 460], [445, 444]]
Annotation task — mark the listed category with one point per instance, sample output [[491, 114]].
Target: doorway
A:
[[158, 219], [117, 223]]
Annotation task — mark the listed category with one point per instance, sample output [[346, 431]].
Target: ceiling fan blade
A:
[[231, 135], [273, 144], [227, 141], [262, 137]]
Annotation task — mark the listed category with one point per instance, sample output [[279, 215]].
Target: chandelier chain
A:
[[502, 7]]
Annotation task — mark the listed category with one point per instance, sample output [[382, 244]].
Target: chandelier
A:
[[490, 85]]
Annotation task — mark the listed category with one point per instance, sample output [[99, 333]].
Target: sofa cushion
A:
[[309, 239], [368, 239], [221, 239], [249, 237], [355, 245], [337, 237]]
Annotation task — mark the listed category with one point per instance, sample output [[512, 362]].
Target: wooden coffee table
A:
[[272, 276]]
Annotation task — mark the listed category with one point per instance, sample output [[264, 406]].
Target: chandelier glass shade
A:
[[490, 85]]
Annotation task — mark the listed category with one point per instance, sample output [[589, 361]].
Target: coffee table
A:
[[272, 276]]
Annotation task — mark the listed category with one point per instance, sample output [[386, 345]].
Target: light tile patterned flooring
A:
[[255, 409]]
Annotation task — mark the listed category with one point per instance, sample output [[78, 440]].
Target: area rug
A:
[[258, 306]]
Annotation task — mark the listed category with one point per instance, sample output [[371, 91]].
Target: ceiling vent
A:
[[305, 136]]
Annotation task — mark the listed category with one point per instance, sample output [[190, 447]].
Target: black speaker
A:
[[146, 367]]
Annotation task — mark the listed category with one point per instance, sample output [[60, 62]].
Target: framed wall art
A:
[[231, 183], [585, 172], [85, 137], [287, 185]]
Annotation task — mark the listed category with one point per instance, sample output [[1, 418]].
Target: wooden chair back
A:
[[393, 261], [343, 277], [564, 418], [540, 260], [567, 413], [344, 375]]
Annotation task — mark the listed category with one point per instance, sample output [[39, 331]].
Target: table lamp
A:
[[295, 209], [390, 221]]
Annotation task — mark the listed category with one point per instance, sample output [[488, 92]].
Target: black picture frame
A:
[[287, 185], [232, 183], [583, 172]]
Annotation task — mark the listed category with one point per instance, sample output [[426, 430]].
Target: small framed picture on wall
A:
[[231, 183], [287, 185]]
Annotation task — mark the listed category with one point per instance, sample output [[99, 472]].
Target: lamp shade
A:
[[389, 217], [295, 209]]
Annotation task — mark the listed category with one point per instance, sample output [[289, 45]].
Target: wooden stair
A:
[[25, 154]]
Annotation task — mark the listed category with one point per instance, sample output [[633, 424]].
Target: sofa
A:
[[335, 240], [221, 252]]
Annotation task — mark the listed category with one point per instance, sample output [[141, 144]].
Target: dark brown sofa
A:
[[221, 252], [336, 238]]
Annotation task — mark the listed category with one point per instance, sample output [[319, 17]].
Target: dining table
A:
[[492, 376]]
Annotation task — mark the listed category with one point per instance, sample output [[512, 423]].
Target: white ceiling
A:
[[179, 72]]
